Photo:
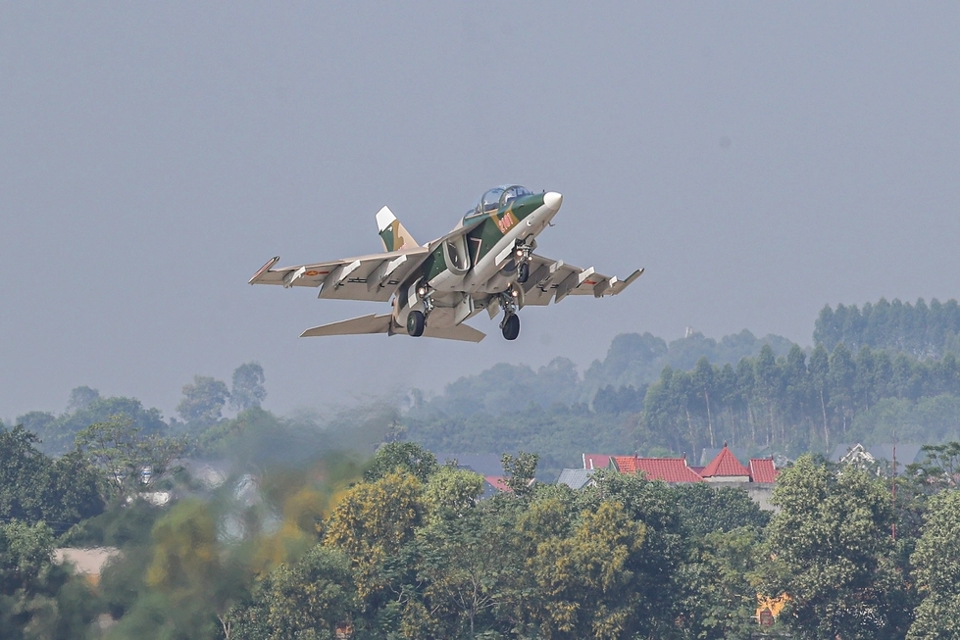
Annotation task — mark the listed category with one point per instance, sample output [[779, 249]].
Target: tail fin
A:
[[393, 234]]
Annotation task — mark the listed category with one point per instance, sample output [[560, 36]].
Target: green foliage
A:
[[39, 599], [35, 488], [937, 570], [130, 460], [637, 360], [920, 330], [308, 600], [721, 581], [705, 509], [87, 407], [656, 571], [401, 457], [203, 400], [248, 390], [519, 471], [832, 540]]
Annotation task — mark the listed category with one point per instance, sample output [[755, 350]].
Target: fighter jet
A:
[[486, 262]]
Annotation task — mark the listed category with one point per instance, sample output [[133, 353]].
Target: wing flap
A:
[[557, 280], [372, 277]]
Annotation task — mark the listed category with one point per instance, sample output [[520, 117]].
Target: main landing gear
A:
[[510, 325], [416, 319], [416, 322]]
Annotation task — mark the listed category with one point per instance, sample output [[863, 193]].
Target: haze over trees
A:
[[310, 526]]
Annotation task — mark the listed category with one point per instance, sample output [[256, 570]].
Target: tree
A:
[[705, 509], [129, 460], [203, 401], [831, 540], [520, 471], [35, 488], [586, 583], [655, 573], [248, 390], [402, 457], [201, 575], [466, 563], [936, 562], [38, 598], [81, 397], [310, 599], [720, 578], [372, 522]]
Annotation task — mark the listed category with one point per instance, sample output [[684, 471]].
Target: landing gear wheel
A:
[[415, 323], [523, 272], [511, 327]]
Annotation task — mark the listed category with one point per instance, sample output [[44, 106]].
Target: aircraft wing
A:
[[555, 279], [382, 324], [373, 277]]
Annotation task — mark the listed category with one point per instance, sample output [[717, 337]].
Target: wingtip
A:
[[269, 265]]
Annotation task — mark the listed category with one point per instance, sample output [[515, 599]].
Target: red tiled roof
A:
[[666, 469], [762, 470], [596, 461], [498, 483], [725, 464]]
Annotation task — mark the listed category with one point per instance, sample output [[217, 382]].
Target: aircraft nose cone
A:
[[553, 200]]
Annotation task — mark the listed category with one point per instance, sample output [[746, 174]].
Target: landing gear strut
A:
[[521, 254], [510, 325]]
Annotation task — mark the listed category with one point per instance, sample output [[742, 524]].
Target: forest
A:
[[246, 524]]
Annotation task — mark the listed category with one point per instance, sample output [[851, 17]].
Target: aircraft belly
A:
[[488, 267], [447, 281]]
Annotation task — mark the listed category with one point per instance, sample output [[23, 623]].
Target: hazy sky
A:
[[759, 159]]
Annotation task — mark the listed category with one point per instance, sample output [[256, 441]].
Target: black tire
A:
[[523, 272], [415, 323], [511, 328]]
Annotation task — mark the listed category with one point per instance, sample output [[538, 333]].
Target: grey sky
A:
[[759, 159]]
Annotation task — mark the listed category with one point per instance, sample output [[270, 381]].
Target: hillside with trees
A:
[[786, 402], [253, 525]]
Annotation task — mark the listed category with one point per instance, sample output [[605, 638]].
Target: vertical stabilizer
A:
[[395, 237]]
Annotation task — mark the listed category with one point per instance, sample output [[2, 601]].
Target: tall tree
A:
[[203, 400], [247, 390], [130, 460], [832, 541], [936, 564], [81, 397]]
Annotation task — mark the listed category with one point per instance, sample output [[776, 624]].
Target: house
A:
[[724, 469], [576, 478], [487, 465], [857, 453]]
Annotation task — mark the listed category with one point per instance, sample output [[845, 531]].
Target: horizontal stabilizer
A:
[[351, 327], [381, 324], [463, 332]]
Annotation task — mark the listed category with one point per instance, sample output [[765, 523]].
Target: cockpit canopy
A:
[[496, 199]]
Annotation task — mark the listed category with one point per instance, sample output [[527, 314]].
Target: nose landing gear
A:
[[510, 325], [522, 256]]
